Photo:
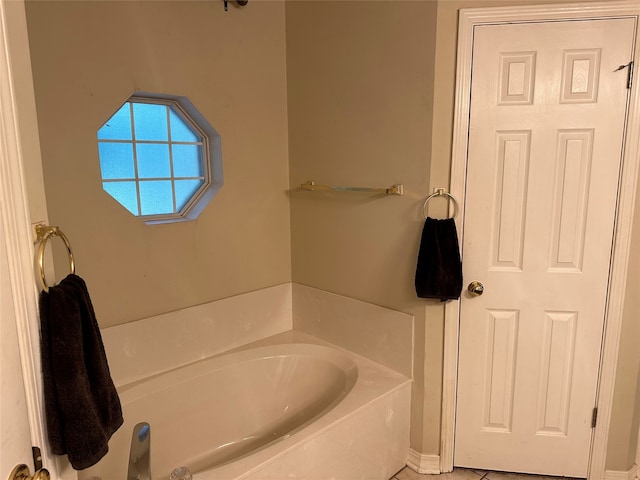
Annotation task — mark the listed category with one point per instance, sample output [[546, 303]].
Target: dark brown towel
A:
[[439, 270], [82, 407]]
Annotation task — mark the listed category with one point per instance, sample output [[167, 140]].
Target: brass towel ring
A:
[[440, 192], [43, 233]]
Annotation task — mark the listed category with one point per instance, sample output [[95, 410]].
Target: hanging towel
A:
[[82, 407], [439, 270]]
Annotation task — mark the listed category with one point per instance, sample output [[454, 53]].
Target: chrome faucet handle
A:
[[181, 473]]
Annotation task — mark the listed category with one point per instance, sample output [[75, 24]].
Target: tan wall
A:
[[625, 416], [88, 58], [360, 84]]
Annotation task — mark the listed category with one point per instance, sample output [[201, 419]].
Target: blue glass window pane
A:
[[150, 122], [187, 160], [123, 192], [153, 160], [156, 197], [185, 189], [180, 131], [117, 127], [116, 160]]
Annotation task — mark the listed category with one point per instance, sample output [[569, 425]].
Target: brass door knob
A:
[[476, 288], [42, 474], [22, 472]]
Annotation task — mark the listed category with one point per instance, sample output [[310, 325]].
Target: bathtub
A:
[[282, 410]]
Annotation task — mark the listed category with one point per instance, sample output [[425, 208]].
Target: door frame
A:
[[468, 20], [15, 216]]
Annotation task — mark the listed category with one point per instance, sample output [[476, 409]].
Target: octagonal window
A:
[[160, 158]]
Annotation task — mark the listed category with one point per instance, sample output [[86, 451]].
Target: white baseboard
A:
[[631, 474], [430, 464], [426, 464]]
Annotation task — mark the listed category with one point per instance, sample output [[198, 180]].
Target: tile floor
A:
[[468, 474]]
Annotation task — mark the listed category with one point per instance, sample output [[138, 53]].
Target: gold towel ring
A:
[[43, 233], [440, 192]]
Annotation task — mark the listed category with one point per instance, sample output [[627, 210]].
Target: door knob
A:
[[22, 472], [476, 288]]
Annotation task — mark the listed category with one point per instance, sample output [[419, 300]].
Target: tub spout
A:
[[140, 453]]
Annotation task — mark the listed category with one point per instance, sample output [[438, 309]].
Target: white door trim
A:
[[469, 18], [16, 228]]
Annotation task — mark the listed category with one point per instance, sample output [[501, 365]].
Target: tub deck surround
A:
[[355, 427], [149, 346]]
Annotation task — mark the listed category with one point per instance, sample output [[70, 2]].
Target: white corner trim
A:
[[449, 384], [469, 18], [424, 463], [630, 474]]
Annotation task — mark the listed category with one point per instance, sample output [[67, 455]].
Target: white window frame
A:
[[211, 159]]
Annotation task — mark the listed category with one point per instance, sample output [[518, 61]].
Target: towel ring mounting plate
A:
[[440, 192]]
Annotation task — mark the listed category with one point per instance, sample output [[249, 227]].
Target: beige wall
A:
[[360, 79], [88, 58]]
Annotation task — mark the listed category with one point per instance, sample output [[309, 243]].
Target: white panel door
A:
[[545, 144]]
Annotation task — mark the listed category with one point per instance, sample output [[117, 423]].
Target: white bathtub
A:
[[288, 410]]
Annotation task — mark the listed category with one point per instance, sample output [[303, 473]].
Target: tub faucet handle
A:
[[180, 473]]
